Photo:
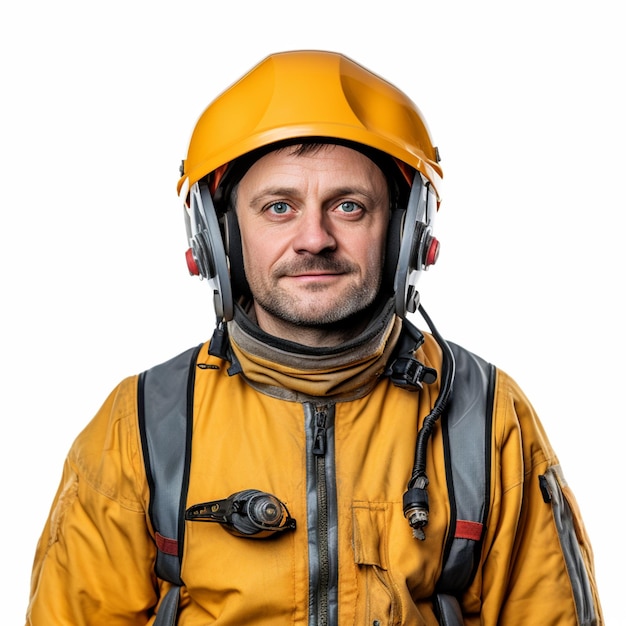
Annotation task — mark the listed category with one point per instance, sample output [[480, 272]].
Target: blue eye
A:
[[348, 206], [280, 208]]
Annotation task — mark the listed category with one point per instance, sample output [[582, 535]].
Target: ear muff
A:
[[418, 248], [206, 256]]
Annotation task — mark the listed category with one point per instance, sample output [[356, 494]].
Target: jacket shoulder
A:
[[107, 453]]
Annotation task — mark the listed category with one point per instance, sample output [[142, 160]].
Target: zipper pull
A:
[[319, 435]]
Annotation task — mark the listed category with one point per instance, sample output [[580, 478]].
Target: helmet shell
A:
[[309, 94]]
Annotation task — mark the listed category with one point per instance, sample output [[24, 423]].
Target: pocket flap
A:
[[369, 526]]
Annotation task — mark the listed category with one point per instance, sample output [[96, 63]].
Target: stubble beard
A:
[[344, 308]]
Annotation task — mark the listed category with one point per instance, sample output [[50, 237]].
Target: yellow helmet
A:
[[300, 95], [309, 94]]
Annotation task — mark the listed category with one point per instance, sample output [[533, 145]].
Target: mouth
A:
[[314, 276], [316, 272]]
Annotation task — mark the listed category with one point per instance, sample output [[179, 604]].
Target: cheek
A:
[[259, 254], [252, 255], [377, 242], [371, 253]]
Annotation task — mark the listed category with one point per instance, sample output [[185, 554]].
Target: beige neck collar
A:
[[295, 372]]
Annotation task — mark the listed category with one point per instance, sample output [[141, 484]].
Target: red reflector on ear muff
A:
[[194, 270], [433, 252]]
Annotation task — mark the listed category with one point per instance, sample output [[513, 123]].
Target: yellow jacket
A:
[[94, 563]]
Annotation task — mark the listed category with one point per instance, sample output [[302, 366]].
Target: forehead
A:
[[331, 159]]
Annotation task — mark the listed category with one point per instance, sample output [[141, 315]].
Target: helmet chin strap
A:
[[419, 249]]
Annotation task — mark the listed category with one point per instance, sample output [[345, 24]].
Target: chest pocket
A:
[[377, 601]]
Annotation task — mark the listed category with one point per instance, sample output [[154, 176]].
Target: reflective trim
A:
[[550, 484]]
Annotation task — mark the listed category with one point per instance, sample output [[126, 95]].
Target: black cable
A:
[[415, 500], [447, 372]]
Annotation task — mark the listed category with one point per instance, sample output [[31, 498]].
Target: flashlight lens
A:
[[265, 510]]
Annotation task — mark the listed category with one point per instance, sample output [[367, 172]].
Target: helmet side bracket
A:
[[418, 247], [207, 255]]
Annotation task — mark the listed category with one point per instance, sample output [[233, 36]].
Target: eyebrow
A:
[[278, 191]]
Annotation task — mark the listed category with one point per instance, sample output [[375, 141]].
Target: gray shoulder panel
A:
[[165, 422], [466, 427]]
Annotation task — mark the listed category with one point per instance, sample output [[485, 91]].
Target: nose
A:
[[314, 232]]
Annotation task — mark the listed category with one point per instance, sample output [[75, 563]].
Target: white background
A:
[[525, 101]]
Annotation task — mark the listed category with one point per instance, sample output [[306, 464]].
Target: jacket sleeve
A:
[[94, 560], [537, 563]]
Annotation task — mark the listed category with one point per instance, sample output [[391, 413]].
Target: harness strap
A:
[[448, 610], [168, 610], [466, 429], [165, 413]]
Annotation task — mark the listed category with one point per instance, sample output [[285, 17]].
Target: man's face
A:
[[313, 229]]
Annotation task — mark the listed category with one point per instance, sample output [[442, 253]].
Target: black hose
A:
[[425, 432]]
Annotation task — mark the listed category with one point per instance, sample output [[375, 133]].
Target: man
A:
[[320, 469]]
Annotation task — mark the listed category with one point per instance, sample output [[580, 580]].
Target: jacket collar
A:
[[293, 371]]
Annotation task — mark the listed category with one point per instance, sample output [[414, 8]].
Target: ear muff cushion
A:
[[238, 281], [394, 237]]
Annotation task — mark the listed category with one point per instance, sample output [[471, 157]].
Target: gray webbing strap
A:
[[165, 394], [168, 611], [467, 445], [448, 610]]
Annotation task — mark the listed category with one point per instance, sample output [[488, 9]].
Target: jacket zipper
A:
[[322, 571], [319, 452]]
